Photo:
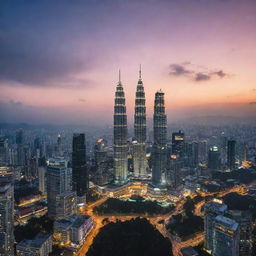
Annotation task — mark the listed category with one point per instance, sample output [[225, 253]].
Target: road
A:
[[177, 244]]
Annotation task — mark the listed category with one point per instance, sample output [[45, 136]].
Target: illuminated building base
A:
[[157, 192]]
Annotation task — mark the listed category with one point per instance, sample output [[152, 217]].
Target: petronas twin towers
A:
[[140, 135]]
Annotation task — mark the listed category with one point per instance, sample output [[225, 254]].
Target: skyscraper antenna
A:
[[140, 72], [119, 76]]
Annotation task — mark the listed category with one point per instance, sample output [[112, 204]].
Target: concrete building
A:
[[214, 158], [41, 245], [80, 181], [244, 219], [225, 237], [72, 230], [231, 154], [66, 204], [56, 182], [188, 251], [211, 211], [42, 179], [178, 143]]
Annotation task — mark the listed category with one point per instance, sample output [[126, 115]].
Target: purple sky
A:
[[59, 60]]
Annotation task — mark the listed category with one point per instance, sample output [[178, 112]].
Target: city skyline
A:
[[53, 75], [128, 127]]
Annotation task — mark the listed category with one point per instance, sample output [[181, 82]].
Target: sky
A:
[[59, 59]]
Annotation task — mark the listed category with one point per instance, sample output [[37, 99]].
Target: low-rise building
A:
[[41, 245], [73, 230], [188, 251]]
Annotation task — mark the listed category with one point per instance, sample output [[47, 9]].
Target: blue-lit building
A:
[[225, 237]]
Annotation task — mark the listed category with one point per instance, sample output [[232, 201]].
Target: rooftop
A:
[[36, 242], [216, 205], [189, 251], [226, 222]]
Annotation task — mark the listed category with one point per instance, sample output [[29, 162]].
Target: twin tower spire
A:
[[120, 134]]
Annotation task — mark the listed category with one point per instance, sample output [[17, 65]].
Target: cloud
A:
[[220, 74], [82, 100], [202, 77], [195, 72], [179, 69], [39, 52], [252, 103], [15, 103]]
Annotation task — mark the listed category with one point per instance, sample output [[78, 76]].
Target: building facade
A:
[[160, 140], [244, 219], [56, 183], [120, 136], [140, 132], [41, 245], [80, 182], [231, 154], [225, 237], [178, 141], [211, 211], [214, 158], [66, 204]]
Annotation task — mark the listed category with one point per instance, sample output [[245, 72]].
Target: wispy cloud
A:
[[194, 72], [179, 70]]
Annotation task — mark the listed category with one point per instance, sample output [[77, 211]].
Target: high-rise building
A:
[[59, 147], [19, 137], [101, 161], [100, 152], [80, 182], [244, 219], [42, 179], [225, 237], [211, 211], [174, 171], [120, 136], [140, 132], [231, 154], [160, 140], [178, 140], [6, 218], [56, 182], [214, 158], [4, 151]]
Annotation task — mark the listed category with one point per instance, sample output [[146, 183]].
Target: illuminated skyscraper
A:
[[56, 182], [211, 211], [140, 130], [214, 158], [178, 139], [160, 133], [120, 136]]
